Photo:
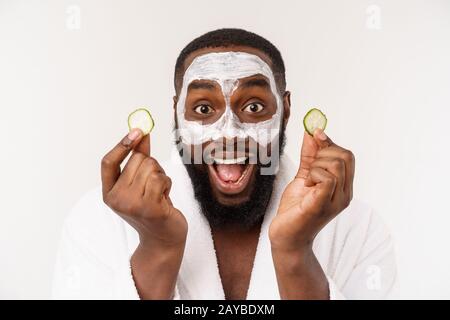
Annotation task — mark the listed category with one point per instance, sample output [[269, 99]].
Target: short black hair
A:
[[229, 37]]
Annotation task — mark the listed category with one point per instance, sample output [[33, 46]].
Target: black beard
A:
[[243, 216]]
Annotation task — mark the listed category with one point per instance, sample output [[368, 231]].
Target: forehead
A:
[[191, 57], [226, 68]]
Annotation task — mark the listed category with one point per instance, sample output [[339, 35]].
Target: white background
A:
[[65, 94]]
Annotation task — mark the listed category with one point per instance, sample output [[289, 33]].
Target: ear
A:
[[175, 101], [286, 106]]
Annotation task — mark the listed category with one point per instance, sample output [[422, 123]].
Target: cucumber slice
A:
[[314, 119], [141, 119]]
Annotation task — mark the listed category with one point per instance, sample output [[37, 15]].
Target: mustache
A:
[[233, 148], [210, 154]]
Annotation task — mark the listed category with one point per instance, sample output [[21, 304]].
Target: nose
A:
[[230, 129]]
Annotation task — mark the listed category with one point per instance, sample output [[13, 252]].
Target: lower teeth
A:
[[242, 175]]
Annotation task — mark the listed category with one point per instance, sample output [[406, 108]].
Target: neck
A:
[[235, 251], [236, 229]]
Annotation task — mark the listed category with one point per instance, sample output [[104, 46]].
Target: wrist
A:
[[293, 260], [291, 245], [161, 250], [155, 270], [150, 241], [299, 274]]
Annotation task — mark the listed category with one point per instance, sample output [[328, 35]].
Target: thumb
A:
[[321, 138], [144, 145], [307, 156]]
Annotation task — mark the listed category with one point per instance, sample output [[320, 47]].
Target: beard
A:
[[243, 216]]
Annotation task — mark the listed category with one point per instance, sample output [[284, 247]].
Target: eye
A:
[[204, 109], [253, 107]]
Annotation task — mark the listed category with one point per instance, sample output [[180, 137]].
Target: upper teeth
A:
[[230, 161]]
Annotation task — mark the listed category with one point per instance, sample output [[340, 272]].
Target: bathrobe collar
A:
[[199, 273]]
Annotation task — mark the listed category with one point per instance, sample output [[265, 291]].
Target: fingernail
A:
[[134, 134]]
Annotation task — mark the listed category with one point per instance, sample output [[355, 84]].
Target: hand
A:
[[140, 195], [322, 188]]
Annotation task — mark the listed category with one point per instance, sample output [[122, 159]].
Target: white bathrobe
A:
[[355, 250]]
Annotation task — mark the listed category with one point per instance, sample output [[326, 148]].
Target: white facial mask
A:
[[226, 68]]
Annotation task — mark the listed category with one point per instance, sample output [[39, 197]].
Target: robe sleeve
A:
[[81, 274], [367, 266], [93, 261]]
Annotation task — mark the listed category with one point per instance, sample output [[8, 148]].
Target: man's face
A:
[[229, 115]]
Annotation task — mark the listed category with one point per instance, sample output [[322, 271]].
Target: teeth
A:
[[231, 161], [243, 174]]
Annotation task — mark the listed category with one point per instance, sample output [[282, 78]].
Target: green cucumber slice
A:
[[141, 119], [314, 119]]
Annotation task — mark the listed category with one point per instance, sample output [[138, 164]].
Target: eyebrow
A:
[[201, 85], [257, 82]]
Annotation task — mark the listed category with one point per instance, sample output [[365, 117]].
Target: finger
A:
[[155, 166], [323, 180], [157, 186], [307, 156], [322, 139], [131, 168], [110, 167], [347, 156], [144, 145], [147, 167], [335, 166], [130, 173]]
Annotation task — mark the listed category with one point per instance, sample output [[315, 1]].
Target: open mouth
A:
[[231, 176]]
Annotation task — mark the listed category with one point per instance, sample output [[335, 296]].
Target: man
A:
[[230, 217]]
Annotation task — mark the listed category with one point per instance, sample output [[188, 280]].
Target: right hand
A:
[[140, 193]]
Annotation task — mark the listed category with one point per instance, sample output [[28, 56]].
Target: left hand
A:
[[322, 188]]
